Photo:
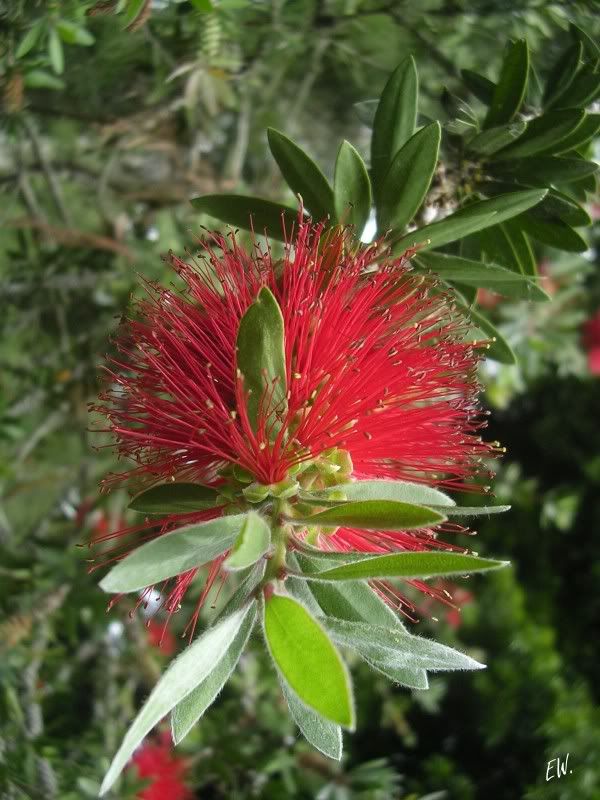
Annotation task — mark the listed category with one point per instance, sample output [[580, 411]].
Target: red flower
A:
[[156, 760], [591, 342], [160, 636], [378, 371]]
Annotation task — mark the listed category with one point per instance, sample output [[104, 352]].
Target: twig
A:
[[51, 179]]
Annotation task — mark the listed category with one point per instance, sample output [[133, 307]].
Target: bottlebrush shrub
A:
[[293, 421]]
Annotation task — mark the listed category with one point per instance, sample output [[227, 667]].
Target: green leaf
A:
[[489, 142], [562, 74], [74, 34], [30, 39], [399, 491], [132, 11], [173, 554], [499, 348], [355, 601], [397, 648], [245, 589], [473, 511], [324, 735], [554, 233], [375, 515], [592, 50], [408, 179], [472, 218], [544, 170], [584, 89], [185, 673], [559, 205], [512, 85], [249, 213], [404, 676], [351, 188], [189, 710], [260, 356], [203, 6], [40, 79], [475, 273], [409, 565], [483, 88], [545, 134], [520, 246], [55, 52], [308, 660], [584, 134], [302, 175], [395, 119], [252, 543], [174, 498]]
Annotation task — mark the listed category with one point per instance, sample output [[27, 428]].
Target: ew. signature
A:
[[557, 767]]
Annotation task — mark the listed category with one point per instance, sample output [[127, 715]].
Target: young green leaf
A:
[[409, 565], [472, 218], [174, 498], [399, 491], [511, 88], [55, 52], [252, 543], [260, 350], [173, 554], [408, 179], [185, 673], [74, 34], [545, 134], [29, 41], [395, 119], [189, 710], [249, 213], [326, 736], [308, 660], [351, 188], [302, 175], [375, 515], [475, 273]]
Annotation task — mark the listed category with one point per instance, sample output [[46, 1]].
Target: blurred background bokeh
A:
[[114, 114]]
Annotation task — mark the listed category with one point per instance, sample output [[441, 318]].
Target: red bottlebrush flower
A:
[[161, 637], [155, 760], [591, 342], [379, 377]]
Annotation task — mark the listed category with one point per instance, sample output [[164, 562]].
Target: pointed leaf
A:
[[29, 41], [473, 511], [308, 660], [252, 543], [544, 170], [399, 491], [185, 673], [189, 710], [395, 119], [245, 590], [375, 515], [512, 85], [407, 181], [475, 273], [545, 134], [55, 52], [302, 175], [490, 141], [582, 135], [472, 218], [173, 554], [483, 88], [591, 48], [249, 213], [260, 350], [409, 565], [324, 735], [562, 73], [351, 188], [499, 348], [554, 233], [174, 498], [412, 678]]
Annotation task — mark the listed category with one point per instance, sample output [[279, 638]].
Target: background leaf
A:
[[512, 85], [249, 213], [174, 498]]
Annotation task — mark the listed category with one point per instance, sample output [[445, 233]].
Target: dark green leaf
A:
[[249, 213], [184, 673], [512, 85], [302, 175], [470, 219], [326, 736], [260, 350], [173, 554], [545, 134], [583, 135], [592, 50], [584, 89], [133, 9], [351, 189], [483, 88], [499, 349], [174, 498], [489, 142], [376, 515], [555, 233], [557, 204], [395, 119], [562, 73], [252, 543], [409, 565], [544, 170], [308, 660], [189, 710], [487, 276], [408, 179], [520, 246]]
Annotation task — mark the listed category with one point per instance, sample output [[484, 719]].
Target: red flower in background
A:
[[591, 342], [377, 366], [155, 760]]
